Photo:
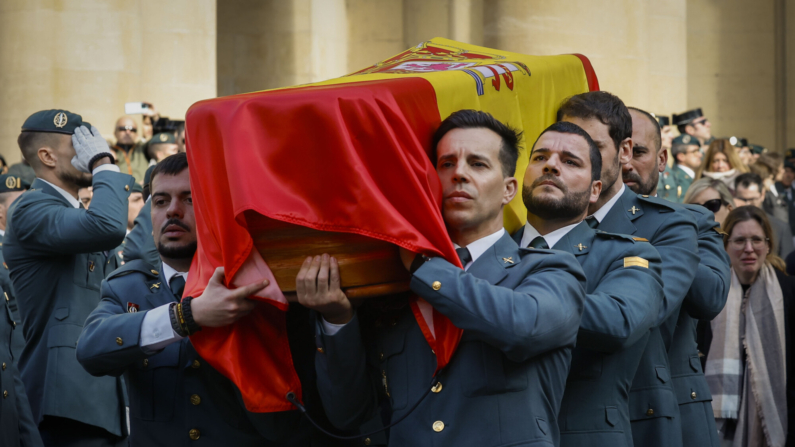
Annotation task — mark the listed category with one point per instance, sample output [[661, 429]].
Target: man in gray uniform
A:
[[704, 300], [519, 310], [652, 403], [55, 252], [561, 180]]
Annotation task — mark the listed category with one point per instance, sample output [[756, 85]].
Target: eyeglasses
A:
[[756, 242], [713, 205], [126, 128]]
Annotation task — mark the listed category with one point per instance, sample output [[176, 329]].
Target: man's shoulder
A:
[[135, 269], [658, 204], [619, 238]]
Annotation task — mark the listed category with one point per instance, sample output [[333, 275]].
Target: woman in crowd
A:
[[749, 348], [721, 163], [711, 194], [770, 167]]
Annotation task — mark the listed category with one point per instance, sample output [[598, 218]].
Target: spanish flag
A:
[[347, 155]]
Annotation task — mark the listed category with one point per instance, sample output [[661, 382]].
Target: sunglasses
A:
[[713, 205], [704, 121], [124, 128]]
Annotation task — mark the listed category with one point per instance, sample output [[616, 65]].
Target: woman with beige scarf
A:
[[746, 366]]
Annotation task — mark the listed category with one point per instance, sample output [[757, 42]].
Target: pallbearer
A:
[[561, 180]]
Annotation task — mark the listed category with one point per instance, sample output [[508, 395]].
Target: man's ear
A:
[[662, 160], [596, 191], [511, 187], [625, 151], [47, 156]]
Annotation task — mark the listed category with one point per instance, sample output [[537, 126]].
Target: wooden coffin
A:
[[368, 267]]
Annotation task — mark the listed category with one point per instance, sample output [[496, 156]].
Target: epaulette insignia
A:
[[640, 239], [635, 261], [720, 231], [508, 260], [580, 246], [154, 286]]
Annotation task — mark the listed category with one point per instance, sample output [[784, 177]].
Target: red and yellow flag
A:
[[348, 155]]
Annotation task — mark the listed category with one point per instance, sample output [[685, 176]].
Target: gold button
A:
[[436, 286], [146, 363], [195, 399], [119, 341], [195, 364], [667, 186], [154, 272], [194, 434], [437, 388], [321, 350], [126, 187], [5, 394], [438, 426], [381, 356], [649, 412], [693, 395], [367, 441], [4, 366]]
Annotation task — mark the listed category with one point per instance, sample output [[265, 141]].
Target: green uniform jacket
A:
[[133, 162], [55, 255], [17, 340], [139, 243], [613, 334], [671, 229], [673, 184]]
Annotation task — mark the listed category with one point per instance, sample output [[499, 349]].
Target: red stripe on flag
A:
[[590, 74]]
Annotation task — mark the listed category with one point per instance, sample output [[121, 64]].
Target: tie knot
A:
[[464, 256], [539, 242], [177, 285], [591, 221]]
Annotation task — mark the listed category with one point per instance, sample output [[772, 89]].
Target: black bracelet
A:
[[174, 321], [186, 312], [418, 261], [99, 157]]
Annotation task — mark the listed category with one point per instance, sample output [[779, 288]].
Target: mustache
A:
[[631, 177], [176, 222], [548, 178]]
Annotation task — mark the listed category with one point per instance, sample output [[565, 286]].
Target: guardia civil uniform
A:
[[10, 183], [520, 312], [55, 254], [613, 333], [139, 243], [704, 301], [675, 181], [176, 397], [653, 407]]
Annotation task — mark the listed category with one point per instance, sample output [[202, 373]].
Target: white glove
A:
[[90, 147]]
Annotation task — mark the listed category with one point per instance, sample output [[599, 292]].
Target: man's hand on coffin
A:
[[220, 306], [318, 288]]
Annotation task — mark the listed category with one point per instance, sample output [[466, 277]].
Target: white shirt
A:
[[70, 198], [476, 250], [687, 170], [551, 238], [602, 212], [156, 329]]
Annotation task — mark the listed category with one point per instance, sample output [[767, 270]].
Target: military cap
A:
[[11, 183], [137, 188], [687, 140], [757, 149], [54, 121], [163, 138], [738, 142], [662, 120], [789, 165], [148, 174], [790, 153], [687, 117]]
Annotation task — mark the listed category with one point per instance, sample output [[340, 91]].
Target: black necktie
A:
[[177, 285], [539, 242], [591, 221], [464, 256]]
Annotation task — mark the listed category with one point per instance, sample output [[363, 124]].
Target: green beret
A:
[[148, 174], [54, 121], [756, 149], [163, 138], [686, 139], [137, 188], [11, 183]]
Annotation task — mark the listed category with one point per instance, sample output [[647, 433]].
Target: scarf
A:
[[754, 392]]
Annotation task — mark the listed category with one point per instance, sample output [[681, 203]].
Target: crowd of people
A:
[[642, 304]]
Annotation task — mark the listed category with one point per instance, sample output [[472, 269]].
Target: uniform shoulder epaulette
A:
[[659, 202], [135, 266], [607, 235]]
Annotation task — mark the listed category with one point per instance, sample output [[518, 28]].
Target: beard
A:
[[641, 187], [572, 205], [75, 177], [610, 177], [179, 252]]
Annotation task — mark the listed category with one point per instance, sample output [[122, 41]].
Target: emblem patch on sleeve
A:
[[132, 307]]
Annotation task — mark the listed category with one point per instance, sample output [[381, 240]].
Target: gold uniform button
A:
[[154, 272], [367, 441], [146, 363], [4, 366], [436, 286], [381, 356], [321, 350], [693, 395], [649, 412], [195, 364], [195, 399], [438, 426], [5, 394], [194, 434], [437, 388], [119, 341], [126, 187]]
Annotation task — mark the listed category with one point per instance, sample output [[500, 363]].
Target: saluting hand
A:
[[219, 306], [318, 287]]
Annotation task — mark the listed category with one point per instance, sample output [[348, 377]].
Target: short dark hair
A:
[[171, 165], [682, 128], [655, 123], [474, 119], [593, 149], [747, 179], [30, 142], [604, 106]]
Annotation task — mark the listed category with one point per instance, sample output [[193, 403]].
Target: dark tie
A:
[[539, 242], [82, 207], [177, 285], [591, 221], [464, 256]]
